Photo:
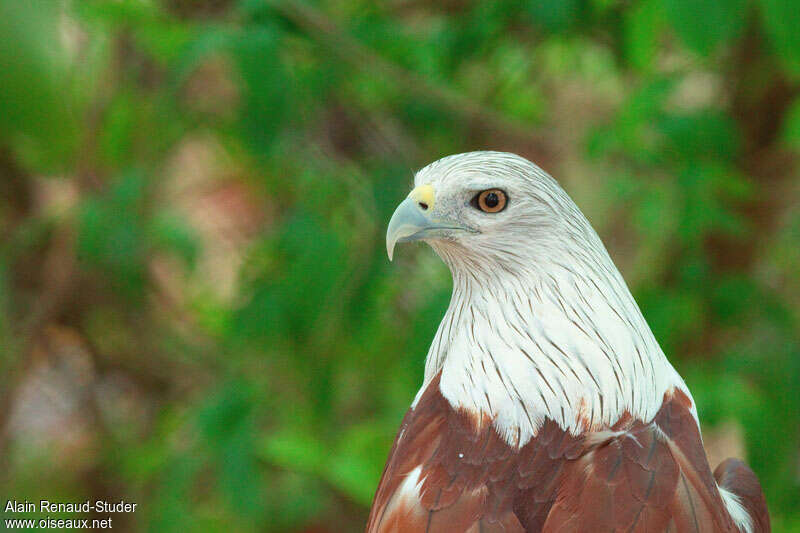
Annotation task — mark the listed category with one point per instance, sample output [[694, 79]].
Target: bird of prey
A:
[[547, 404]]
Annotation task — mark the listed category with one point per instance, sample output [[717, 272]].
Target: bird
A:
[[547, 404]]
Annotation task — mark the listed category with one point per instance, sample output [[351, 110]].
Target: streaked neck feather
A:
[[547, 341]]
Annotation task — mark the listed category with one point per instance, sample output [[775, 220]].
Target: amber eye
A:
[[490, 201]]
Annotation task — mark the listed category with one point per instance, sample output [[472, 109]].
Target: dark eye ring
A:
[[490, 201]]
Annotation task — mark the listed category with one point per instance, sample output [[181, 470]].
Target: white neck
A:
[[547, 341]]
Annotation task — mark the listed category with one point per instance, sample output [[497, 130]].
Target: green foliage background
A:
[[192, 208]]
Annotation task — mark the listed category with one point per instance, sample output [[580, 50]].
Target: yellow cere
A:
[[423, 194]]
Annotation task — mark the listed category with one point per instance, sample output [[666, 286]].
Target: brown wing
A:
[[653, 477], [471, 480], [737, 478], [449, 471]]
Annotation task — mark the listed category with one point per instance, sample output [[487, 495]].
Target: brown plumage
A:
[[632, 476]]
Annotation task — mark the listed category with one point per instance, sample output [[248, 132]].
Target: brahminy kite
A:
[[547, 404]]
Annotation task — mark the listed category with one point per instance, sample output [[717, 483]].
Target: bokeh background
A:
[[196, 309]]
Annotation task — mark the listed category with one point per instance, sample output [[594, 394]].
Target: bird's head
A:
[[489, 210]]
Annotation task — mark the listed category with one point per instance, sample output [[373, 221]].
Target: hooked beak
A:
[[412, 220]]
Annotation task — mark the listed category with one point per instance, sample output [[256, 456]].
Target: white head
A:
[[485, 211], [536, 299]]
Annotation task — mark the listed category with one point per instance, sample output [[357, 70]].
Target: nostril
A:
[[424, 206]]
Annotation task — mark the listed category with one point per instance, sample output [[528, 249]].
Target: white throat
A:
[[562, 339]]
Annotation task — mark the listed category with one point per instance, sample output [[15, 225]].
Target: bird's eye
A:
[[490, 201]]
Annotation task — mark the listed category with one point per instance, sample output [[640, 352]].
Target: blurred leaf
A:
[[673, 315], [117, 133], [160, 34], [111, 236], [227, 426], [657, 212], [173, 507], [633, 130], [287, 293], [720, 397], [7, 352], [781, 20], [734, 298], [36, 103], [791, 126], [705, 24], [225, 413], [170, 233], [708, 207], [258, 56], [643, 24], [353, 466], [556, 15], [297, 451], [357, 466], [703, 134]]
